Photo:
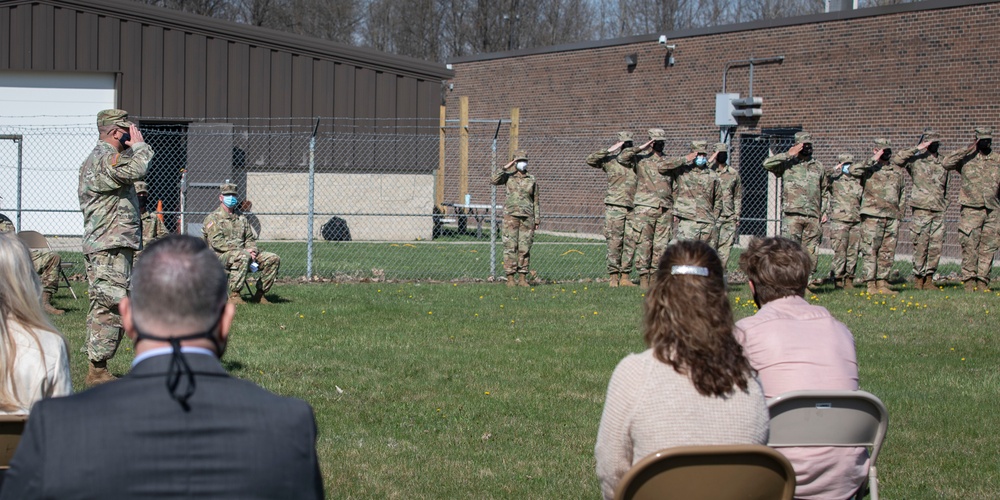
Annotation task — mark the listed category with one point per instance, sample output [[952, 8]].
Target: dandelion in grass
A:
[[885, 336], [501, 306], [430, 313], [595, 313], [488, 392], [476, 315]]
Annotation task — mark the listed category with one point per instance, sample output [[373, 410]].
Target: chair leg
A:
[[62, 273], [872, 483]]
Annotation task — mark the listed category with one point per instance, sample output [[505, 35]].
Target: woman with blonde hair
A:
[[36, 361], [693, 386]]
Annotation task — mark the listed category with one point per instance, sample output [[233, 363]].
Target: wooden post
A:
[[463, 148], [439, 184], [515, 116]]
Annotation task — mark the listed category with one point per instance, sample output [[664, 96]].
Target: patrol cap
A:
[[721, 147], [520, 155], [699, 146], [228, 188], [140, 187], [803, 138], [932, 136], [883, 143], [657, 134], [984, 132], [845, 158], [116, 117], [625, 136]]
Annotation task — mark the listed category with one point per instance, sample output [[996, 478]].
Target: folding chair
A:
[[36, 241], [751, 472], [831, 418], [11, 428]]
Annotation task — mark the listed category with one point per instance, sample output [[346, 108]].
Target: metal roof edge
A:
[[730, 28]]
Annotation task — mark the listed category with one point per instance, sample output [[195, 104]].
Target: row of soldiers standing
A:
[[647, 190]]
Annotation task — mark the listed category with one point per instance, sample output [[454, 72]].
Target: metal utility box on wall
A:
[[724, 110]]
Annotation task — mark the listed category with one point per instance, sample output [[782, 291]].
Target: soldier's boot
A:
[[258, 297], [235, 299], [522, 280], [872, 288], [511, 280], [970, 285], [838, 284], [613, 281], [47, 304], [849, 283], [625, 280], [883, 288], [98, 373], [984, 285], [644, 281]]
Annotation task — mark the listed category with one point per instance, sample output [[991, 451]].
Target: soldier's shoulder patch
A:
[[209, 225]]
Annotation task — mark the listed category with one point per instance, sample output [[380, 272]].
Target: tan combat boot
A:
[[970, 285], [849, 283], [47, 304], [883, 288], [258, 297], [613, 281], [98, 373], [872, 288], [511, 280], [235, 299], [921, 283], [522, 280], [625, 280], [644, 281]]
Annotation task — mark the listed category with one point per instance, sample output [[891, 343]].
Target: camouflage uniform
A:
[[978, 225], [520, 216], [881, 210], [232, 238], [111, 232], [697, 198], [653, 209], [152, 227], [928, 201], [45, 262], [845, 223], [804, 196], [618, 202], [732, 199]]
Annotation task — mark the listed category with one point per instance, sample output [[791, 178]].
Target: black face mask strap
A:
[[179, 367]]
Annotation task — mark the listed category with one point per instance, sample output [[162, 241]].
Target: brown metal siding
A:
[[64, 47], [301, 89], [173, 65], [152, 71], [20, 37], [260, 81], [4, 38], [343, 99], [239, 83], [41, 40], [323, 92], [217, 69], [130, 97], [86, 42], [109, 45], [194, 75]]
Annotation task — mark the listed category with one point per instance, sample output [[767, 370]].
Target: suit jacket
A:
[[129, 439]]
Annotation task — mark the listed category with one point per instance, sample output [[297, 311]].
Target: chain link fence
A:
[[356, 199]]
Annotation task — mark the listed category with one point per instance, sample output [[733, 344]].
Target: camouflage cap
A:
[[140, 187], [625, 136], [984, 132], [721, 147], [520, 155], [845, 158], [228, 188], [699, 146], [657, 134], [117, 117], [803, 138], [883, 143], [932, 136]]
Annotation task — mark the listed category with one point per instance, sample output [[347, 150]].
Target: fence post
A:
[[493, 207], [312, 199], [439, 187], [463, 147], [20, 171]]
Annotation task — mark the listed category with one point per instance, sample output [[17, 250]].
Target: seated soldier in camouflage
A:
[[228, 233], [46, 265], [152, 227]]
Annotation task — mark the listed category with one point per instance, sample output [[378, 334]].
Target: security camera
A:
[[663, 40]]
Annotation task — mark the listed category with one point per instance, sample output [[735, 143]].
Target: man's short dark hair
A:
[[180, 282], [778, 267]]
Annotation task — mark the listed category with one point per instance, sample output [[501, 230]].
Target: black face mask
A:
[[984, 145], [626, 144], [658, 146], [721, 157], [933, 147], [807, 150], [124, 138], [886, 154], [143, 201]]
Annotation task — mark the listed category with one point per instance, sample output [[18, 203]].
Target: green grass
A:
[[474, 390]]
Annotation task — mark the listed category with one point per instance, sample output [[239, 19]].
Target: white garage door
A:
[[55, 115]]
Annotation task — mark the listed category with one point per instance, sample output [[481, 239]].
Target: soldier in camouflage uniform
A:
[[152, 227], [111, 231], [845, 221], [732, 198], [803, 194], [881, 209], [520, 216], [618, 162], [928, 201], [228, 232], [46, 264], [654, 201], [979, 225], [697, 195]]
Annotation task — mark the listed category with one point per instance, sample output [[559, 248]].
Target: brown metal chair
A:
[[750, 472], [36, 241], [11, 428]]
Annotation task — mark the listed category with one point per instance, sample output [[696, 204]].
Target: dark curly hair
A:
[[689, 322]]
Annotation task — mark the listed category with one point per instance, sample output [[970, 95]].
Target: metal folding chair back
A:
[[830, 418], [751, 472], [36, 241]]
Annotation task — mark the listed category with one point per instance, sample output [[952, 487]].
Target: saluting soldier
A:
[[520, 216], [928, 201], [618, 162], [732, 199], [844, 215], [654, 201], [697, 195]]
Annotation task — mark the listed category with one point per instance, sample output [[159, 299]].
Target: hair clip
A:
[[695, 270]]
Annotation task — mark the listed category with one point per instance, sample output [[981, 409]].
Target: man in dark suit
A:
[[177, 426]]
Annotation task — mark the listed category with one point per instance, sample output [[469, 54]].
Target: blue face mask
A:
[[701, 161], [229, 201]]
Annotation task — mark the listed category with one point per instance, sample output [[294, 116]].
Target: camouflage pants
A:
[[725, 237], [846, 242], [651, 233], [518, 234], [688, 229], [804, 230], [109, 273], [617, 220], [927, 228], [977, 230], [878, 246], [47, 266], [237, 265]]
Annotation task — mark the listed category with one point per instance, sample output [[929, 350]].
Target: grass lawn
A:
[[474, 390]]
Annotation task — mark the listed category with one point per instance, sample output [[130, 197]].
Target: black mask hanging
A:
[[179, 366]]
